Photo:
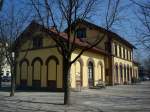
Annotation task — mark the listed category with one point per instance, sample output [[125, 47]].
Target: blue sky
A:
[[125, 28]]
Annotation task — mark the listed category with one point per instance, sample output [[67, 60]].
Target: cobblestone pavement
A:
[[122, 98]]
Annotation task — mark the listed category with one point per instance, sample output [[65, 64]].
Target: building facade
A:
[[6, 70], [39, 64], [4, 65]]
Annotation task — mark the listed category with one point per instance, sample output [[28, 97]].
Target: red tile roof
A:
[[113, 34], [80, 42]]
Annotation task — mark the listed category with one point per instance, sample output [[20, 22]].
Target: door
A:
[[90, 74]]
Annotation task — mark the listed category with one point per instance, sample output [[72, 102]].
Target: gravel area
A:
[[121, 98]]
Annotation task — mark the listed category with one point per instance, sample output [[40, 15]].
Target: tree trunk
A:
[[12, 92], [66, 81]]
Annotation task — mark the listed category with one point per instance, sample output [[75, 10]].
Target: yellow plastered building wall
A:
[[80, 70], [135, 71], [43, 67], [40, 65], [122, 63], [93, 34]]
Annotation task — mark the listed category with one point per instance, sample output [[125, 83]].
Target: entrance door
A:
[[90, 74]]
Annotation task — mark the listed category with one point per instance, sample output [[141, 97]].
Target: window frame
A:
[[124, 54], [81, 33], [116, 50], [37, 42], [120, 51]]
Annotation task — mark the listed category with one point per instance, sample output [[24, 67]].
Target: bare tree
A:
[[12, 23], [1, 50], [143, 30], [65, 13], [147, 65], [1, 61]]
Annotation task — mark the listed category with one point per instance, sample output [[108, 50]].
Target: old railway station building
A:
[[39, 64]]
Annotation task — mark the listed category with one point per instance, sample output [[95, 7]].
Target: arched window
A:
[[124, 53], [23, 72], [121, 75], [128, 73], [120, 51], [52, 69], [116, 51], [91, 74], [131, 72], [116, 69], [36, 72], [125, 73]]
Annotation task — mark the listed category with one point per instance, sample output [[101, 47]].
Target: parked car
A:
[[145, 78], [6, 78]]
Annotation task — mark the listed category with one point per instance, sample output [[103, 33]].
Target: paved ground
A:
[[124, 98]]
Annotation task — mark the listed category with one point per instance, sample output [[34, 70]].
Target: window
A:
[[127, 54], [117, 74], [120, 53], [81, 33], [37, 42], [90, 74], [116, 50], [121, 74], [124, 53], [131, 56], [125, 73], [107, 47]]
